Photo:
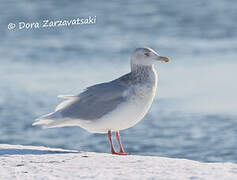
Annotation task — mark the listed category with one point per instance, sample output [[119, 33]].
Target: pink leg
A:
[[111, 143], [120, 144], [112, 146]]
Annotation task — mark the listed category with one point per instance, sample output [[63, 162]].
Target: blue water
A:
[[194, 113]]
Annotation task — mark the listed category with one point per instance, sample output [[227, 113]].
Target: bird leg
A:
[[111, 143], [112, 146], [120, 144]]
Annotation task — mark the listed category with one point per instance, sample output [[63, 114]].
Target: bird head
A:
[[146, 57]]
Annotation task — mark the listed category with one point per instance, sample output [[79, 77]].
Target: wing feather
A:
[[67, 96], [95, 101]]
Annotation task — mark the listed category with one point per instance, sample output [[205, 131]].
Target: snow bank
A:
[[29, 162]]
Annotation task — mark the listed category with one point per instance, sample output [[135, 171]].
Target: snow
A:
[[31, 162]]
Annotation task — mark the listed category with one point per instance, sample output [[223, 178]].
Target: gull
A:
[[111, 106]]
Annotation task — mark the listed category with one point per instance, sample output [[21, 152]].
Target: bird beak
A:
[[161, 58]]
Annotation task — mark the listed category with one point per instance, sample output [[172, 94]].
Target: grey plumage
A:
[[99, 100], [96, 101]]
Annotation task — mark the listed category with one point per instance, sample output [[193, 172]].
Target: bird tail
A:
[[46, 120], [54, 120]]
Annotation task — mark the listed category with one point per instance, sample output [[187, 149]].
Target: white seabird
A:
[[111, 106]]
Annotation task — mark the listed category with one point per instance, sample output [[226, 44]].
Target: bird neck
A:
[[138, 68], [144, 72]]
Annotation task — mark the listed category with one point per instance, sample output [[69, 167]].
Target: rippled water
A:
[[194, 113]]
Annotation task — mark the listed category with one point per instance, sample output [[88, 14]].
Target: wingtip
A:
[[66, 96], [37, 122]]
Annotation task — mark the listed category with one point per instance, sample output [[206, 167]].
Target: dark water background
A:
[[194, 113]]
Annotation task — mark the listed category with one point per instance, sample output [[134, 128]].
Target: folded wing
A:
[[95, 102]]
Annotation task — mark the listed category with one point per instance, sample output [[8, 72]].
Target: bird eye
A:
[[146, 54]]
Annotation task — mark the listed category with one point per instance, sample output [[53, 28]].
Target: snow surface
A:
[[30, 162]]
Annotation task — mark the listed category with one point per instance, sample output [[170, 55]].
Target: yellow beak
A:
[[161, 58]]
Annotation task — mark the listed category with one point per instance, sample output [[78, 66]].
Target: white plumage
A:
[[110, 106]]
